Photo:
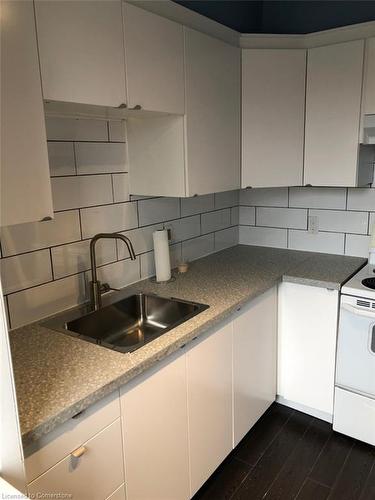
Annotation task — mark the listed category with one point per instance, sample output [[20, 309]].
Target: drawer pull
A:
[[79, 452]]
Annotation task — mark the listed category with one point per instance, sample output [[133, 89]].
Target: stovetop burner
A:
[[369, 283]]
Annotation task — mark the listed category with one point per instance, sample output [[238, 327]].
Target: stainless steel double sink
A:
[[129, 323]]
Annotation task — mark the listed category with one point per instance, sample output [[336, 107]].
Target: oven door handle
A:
[[357, 311]]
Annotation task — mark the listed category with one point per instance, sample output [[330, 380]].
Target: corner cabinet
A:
[[333, 111], [307, 348], [25, 180], [273, 113], [196, 153], [209, 381], [81, 51], [154, 54], [254, 362], [369, 82]]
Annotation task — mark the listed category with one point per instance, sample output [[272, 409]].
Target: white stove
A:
[[355, 286], [354, 408]]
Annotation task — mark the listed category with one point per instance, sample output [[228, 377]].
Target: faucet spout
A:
[[96, 297]]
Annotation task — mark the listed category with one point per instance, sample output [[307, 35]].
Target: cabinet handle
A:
[[79, 452], [135, 108], [45, 219], [122, 106]]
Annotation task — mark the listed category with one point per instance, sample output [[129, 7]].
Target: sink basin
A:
[[132, 322]]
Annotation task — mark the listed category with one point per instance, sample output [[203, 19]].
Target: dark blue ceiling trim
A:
[[284, 16]]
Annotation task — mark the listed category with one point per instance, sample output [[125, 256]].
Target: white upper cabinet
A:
[[333, 104], [81, 51], [369, 84], [197, 153], [154, 48], [212, 114], [25, 181], [273, 114]]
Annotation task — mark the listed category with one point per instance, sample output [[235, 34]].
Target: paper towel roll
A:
[[161, 255]]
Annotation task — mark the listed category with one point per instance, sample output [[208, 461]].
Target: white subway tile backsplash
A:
[[184, 229], [76, 129], [197, 204], [41, 301], [109, 218], [311, 197], [357, 245], [247, 216], [83, 191], [215, 221], [198, 247], [234, 216], [361, 199], [61, 158], [341, 221], [100, 157], [320, 242], [266, 197], [118, 274], [24, 271], [117, 131], [263, 236], [141, 239], [226, 199], [156, 210], [226, 238], [64, 228], [295, 218], [75, 258], [120, 187]]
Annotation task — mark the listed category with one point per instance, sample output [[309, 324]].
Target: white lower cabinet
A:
[[92, 476], [254, 362], [155, 432], [209, 379], [173, 425], [307, 334]]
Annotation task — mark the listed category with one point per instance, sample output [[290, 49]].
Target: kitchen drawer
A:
[[119, 494], [96, 474], [70, 435], [354, 415]]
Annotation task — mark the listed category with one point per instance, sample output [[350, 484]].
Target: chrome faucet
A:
[[96, 295]]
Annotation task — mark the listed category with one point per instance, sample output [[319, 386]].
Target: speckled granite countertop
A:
[[57, 376]]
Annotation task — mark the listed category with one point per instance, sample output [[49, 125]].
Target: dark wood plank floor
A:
[[288, 455]]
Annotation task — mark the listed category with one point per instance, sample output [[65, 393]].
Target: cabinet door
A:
[[209, 374], [333, 102], [212, 114], [254, 362], [273, 113], [369, 84], [154, 48], [307, 347], [154, 411], [93, 476], [25, 182], [81, 51]]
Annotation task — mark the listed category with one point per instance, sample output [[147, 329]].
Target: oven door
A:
[[355, 367]]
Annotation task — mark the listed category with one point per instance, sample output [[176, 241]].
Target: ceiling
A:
[[284, 16]]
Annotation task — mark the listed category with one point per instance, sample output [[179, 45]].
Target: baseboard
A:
[[327, 417]]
